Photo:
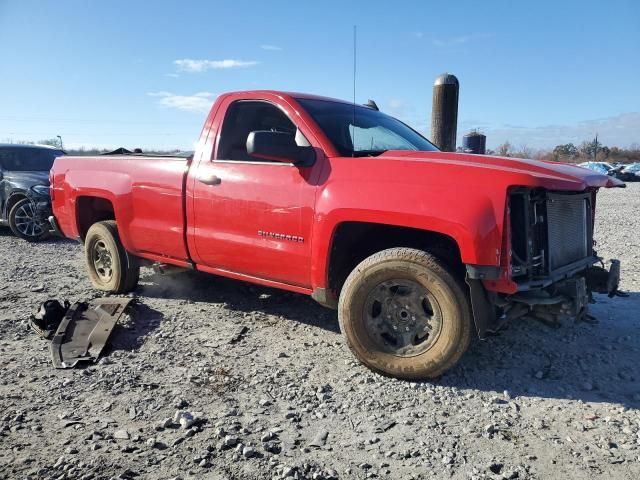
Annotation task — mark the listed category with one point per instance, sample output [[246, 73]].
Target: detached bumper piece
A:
[[47, 318], [85, 329]]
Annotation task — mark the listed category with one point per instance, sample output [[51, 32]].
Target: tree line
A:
[[589, 150]]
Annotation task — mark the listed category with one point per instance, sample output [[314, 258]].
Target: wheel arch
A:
[[14, 198], [91, 209], [353, 241]]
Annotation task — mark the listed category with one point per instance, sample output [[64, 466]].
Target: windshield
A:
[[28, 159], [366, 132]]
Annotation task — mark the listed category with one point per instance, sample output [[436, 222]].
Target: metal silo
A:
[[444, 113], [474, 142]]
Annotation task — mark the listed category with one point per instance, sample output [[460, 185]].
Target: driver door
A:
[[254, 216]]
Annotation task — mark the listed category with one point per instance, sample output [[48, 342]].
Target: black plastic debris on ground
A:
[[48, 317], [80, 331]]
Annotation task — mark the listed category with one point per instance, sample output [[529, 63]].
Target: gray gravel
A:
[[212, 378]]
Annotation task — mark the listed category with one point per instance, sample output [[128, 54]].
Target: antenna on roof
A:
[[353, 134]]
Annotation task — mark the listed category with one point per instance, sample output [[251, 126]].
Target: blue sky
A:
[[136, 73]]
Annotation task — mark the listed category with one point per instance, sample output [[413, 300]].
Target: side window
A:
[[244, 117]]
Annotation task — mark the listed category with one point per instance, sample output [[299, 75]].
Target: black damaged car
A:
[[24, 188]]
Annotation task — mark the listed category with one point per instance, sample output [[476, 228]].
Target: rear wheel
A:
[[405, 315], [109, 265], [24, 222]]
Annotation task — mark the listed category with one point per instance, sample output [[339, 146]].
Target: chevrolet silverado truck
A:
[[414, 247]]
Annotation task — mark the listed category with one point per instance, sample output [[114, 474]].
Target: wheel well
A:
[[355, 241], [13, 199], [90, 210]]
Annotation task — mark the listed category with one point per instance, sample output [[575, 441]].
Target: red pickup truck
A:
[[413, 246]]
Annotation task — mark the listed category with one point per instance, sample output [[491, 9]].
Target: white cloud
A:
[[172, 75], [619, 130], [198, 102], [460, 40], [195, 66], [270, 47]]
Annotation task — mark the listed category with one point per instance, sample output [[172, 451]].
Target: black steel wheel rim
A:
[[402, 318], [26, 221]]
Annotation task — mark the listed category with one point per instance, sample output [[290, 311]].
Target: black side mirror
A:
[[280, 147]]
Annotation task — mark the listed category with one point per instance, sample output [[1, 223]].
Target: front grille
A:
[[568, 228]]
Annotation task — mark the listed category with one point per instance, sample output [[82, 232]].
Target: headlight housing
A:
[[40, 189]]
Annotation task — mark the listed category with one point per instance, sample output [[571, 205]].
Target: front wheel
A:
[[109, 265], [25, 223], [404, 315]]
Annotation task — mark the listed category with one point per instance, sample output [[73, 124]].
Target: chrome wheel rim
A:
[[102, 261], [402, 318], [26, 222]]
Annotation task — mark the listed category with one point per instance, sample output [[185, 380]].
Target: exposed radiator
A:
[[569, 229]]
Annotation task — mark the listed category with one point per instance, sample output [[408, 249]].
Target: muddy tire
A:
[[24, 223], [109, 265], [404, 315]]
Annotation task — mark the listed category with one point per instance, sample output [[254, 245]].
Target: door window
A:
[[244, 117]]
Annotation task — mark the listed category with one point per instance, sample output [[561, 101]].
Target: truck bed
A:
[[146, 194]]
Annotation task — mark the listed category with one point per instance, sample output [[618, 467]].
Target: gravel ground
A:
[[182, 393]]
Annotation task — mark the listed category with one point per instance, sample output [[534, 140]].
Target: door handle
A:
[[209, 179]]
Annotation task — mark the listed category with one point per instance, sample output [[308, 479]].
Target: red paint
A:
[[165, 213]]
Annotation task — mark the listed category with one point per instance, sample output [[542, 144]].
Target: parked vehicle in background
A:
[[24, 187], [411, 245], [630, 173], [600, 167], [605, 168]]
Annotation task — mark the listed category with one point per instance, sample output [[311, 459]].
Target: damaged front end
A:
[[551, 268], [41, 204]]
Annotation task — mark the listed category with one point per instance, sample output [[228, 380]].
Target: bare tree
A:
[[524, 152], [504, 150]]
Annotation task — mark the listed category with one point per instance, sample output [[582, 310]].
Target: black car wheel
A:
[[25, 223]]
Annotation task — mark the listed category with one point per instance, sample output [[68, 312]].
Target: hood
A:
[[27, 179], [547, 174]]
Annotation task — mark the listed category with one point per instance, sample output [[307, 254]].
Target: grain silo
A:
[[474, 142], [444, 112]]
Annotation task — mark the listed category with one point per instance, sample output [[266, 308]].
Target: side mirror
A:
[[279, 147]]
